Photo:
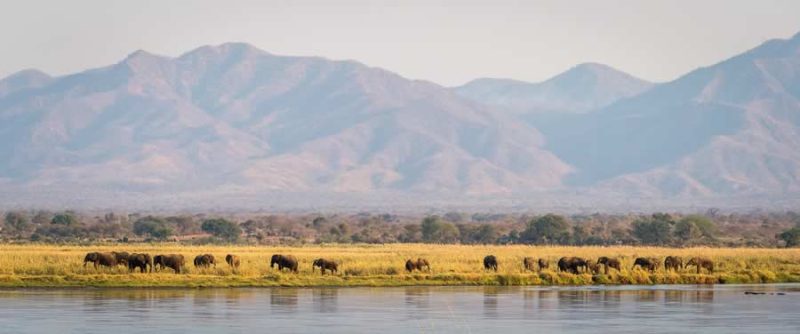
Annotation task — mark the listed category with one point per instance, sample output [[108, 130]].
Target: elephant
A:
[[701, 262], [172, 261], [529, 263], [543, 264], [609, 262], [103, 259], [141, 261], [122, 257], [233, 260], [593, 267], [647, 263], [490, 263], [205, 260], [420, 264], [572, 264], [324, 264], [673, 262], [284, 261]]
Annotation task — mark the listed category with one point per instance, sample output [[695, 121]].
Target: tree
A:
[[686, 231], [154, 227], [66, 219], [184, 224], [222, 228], [42, 217], [694, 227], [430, 226], [707, 227], [655, 230], [435, 230], [549, 228], [454, 217], [411, 233], [791, 237], [486, 234], [579, 234], [17, 221], [447, 233], [319, 221]]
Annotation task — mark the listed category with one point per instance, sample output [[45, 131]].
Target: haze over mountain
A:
[[235, 120], [582, 88], [235, 115]]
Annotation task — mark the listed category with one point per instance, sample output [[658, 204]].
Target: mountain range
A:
[[233, 119]]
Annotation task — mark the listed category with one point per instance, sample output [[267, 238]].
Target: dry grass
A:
[[382, 265]]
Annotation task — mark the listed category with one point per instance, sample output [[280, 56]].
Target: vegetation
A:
[[383, 265], [711, 228]]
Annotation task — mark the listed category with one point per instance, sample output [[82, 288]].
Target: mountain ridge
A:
[[581, 88], [232, 118], [233, 114]]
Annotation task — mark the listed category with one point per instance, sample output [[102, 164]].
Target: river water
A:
[[618, 309]]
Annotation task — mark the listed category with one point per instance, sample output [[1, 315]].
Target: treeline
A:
[[660, 229]]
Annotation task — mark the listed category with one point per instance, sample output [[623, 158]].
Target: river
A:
[[618, 309]]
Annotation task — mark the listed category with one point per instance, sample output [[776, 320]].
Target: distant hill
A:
[[730, 128], [233, 115], [583, 88], [236, 123]]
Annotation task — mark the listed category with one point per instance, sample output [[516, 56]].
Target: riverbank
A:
[[383, 265]]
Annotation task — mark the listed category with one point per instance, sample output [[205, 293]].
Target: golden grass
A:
[[383, 265]]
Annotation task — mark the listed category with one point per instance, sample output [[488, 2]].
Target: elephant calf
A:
[[673, 263], [205, 261], [609, 262], [647, 263], [543, 264], [701, 262], [490, 263], [419, 264], [284, 261], [593, 267], [233, 261], [324, 264], [529, 263]]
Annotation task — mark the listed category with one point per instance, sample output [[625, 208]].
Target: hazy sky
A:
[[448, 42]]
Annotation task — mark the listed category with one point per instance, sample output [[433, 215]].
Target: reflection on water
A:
[[284, 299], [626, 309], [325, 300]]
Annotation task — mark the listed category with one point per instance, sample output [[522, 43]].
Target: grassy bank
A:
[[382, 265]]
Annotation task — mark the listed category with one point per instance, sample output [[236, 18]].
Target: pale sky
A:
[[447, 42]]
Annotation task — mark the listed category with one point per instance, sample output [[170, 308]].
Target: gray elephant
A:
[[100, 259], [325, 264], [205, 261], [141, 261], [701, 262], [233, 260], [490, 263], [172, 261], [284, 261]]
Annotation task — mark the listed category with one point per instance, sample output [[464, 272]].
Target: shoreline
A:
[[57, 266], [561, 280]]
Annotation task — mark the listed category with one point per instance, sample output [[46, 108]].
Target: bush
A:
[[222, 228], [154, 227]]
